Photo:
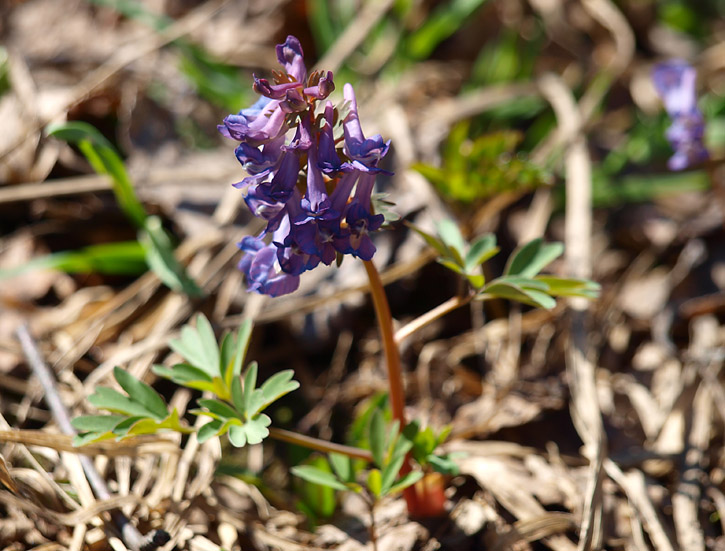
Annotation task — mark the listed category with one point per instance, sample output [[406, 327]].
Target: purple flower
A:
[[364, 153], [259, 267], [314, 195], [675, 83]]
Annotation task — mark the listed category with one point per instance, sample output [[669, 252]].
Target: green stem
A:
[[390, 347], [319, 445]]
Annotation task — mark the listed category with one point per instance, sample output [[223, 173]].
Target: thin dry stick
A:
[[132, 538], [430, 316], [585, 407]]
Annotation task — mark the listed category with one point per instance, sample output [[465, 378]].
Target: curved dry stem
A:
[[429, 317], [319, 445]]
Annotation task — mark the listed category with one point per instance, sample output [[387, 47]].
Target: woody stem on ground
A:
[[390, 347], [319, 445]]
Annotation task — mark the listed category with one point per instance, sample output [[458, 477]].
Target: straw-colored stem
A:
[[430, 316]]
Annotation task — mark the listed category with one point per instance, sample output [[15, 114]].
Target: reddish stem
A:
[[390, 348]]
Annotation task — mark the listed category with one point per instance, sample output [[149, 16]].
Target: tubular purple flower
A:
[[675, 82], [302, 185], [291, 56], [367, 152], [319, 85], [329, 161], [255, 161], [361, 221], [258, 265], [254, 126]]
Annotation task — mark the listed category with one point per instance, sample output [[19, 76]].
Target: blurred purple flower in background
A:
[[675, 83], [314, 191]]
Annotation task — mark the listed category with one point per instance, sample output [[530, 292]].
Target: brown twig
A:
[[132, 538], [319, 445]]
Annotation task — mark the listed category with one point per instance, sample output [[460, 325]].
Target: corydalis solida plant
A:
[[314, 195]]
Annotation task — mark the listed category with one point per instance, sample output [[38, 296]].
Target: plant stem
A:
[[429, 317], [319, 445], [390, 347]]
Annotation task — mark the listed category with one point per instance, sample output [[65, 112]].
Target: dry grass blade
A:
[[6, 478], [585, 409], [68, 519], [633, 484], [134, 446]]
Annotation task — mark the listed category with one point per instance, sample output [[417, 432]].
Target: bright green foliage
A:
[[521, 280], [125, 257], [425, 442], [139, 411], [474, 169], [445, 20], [236, 410], [455, 254], [388, 447], [242, 417], [104, 159], [208, 366]]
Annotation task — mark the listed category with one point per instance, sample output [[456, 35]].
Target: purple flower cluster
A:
[[675, 83], [314, 194]]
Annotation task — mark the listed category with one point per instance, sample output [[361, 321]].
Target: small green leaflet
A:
[[140, 411]]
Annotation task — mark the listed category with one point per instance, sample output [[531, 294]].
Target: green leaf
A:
[[477, 281], [408, 480], [318, 476], [96, 423], [342, 465], [375, 482], [482, 249], [112, 400], [432, 241], [209, 430], [445, 20], [443, 464], [390, 473], [243, 336], [91, 438], [277, 386], [160, 258], [510, 291], [149, 426], [377, 438], [252, 431], [123, 258], [250, 384], [142, 393], [531, 258], [199, 347], [564, 287], [451, 235], [185, 375], [103, 158], [122, 428], [217, 408], [318, 498]]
